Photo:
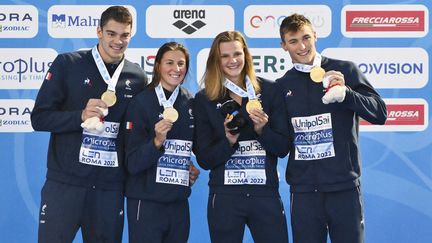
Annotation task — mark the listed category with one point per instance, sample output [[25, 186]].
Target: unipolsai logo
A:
[[189, 21]]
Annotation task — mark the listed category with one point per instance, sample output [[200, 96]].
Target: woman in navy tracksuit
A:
[[241, 157], [158, 152]]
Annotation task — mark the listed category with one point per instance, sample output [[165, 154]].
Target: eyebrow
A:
[[113, 32]]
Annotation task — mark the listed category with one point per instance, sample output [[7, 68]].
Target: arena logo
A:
[[388, 67], [269, 63], [263, 21], [402, 115], [188, 21], [385, 21], [18, 21], [183, 15], [15, 115], [24, 68], [74, 21]]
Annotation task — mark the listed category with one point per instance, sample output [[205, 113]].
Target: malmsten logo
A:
[[189, 15]]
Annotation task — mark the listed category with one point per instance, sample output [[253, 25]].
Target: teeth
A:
[[303, 53]]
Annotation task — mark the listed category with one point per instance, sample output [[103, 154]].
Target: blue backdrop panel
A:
[[393, 52]]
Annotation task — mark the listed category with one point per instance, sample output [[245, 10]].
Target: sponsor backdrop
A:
[[388, 40]]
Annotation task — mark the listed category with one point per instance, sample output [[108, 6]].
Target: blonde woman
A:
[[240, 132]]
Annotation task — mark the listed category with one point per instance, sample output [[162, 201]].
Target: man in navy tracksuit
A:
[[324, 163], [85, 177], [242, 159]]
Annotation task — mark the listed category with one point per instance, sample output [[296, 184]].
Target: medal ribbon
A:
[[111, 81], [305, 68], [161, 96], [239, 91]]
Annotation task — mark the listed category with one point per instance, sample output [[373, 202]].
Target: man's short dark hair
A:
[[117, 13], [293, 23]]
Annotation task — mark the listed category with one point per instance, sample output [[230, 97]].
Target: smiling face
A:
[[114, 38], [300, 45], [232, 60], [172, 69]]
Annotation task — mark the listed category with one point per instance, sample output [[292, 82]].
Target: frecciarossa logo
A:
[[385, 21], [402, 115]]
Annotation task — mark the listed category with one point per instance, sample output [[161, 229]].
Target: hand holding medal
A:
[[109, 97], [253, 104], [317, 74], [259, 119], [170, 113]]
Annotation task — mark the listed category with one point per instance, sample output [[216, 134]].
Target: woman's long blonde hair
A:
[[214, 77]]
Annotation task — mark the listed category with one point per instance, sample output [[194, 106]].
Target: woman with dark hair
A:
[[159, 145], [240, 132]]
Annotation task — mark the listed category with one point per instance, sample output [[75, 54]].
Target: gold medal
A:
[[109, 97], [253, 104], [317, 74], [171, 114]]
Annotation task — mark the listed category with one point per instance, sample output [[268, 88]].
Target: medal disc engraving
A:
[[170, 113], [317, 74], [253, 104], [109, 97]]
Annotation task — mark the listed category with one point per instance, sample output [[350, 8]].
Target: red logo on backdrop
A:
[[397, 114], [385, 20]]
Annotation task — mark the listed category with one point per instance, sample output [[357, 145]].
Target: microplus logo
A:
[[18, 21], [263, 21], [188, 21], [24, 68], [75, 21], [385, 21], [388, 68]]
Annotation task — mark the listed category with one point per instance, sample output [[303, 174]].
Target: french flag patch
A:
[[128, 125], [48, 76]]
